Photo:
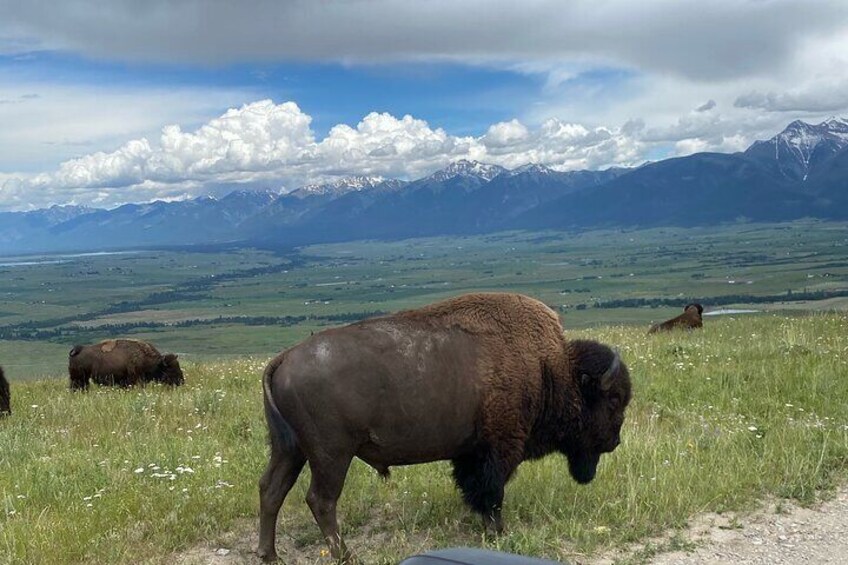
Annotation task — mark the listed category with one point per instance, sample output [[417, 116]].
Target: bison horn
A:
[[609, 374]]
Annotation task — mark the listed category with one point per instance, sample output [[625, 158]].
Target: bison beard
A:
[[483, 380], [5, 396]]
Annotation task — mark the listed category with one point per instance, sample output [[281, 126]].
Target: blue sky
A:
[[462, 98], [177, 99]]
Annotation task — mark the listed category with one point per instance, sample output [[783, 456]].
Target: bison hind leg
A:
[[480, 477], [280, 475], [78, 380]]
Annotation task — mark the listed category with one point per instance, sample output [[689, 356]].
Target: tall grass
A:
[[720, 418]]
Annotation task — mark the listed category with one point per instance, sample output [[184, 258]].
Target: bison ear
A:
[[596, 373]]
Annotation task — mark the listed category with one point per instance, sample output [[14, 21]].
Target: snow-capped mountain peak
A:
[[836, 123], [798, 147], [339, 187], [531, 168], [466, 168]]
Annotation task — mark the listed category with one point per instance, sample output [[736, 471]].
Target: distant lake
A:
[[729, 311], [56, 259]]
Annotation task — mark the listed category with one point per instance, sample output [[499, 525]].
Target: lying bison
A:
[[689, 319], [5, 397], [122, 362], [483, 380]]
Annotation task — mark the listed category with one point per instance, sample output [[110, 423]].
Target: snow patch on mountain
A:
[[465, 168], [797, 145], [340, 186], [531, 168]]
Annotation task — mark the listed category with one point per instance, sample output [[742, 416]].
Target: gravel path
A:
[[791, 536], [780, 533]]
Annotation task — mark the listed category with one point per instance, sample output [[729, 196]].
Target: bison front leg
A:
[[280, 476], [482, 476], [328, 477]]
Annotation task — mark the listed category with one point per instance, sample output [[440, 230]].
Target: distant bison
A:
[[689, 319], [122, 362], [483, 380], [5, 396]]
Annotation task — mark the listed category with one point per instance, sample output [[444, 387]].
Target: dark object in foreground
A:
[[483, 380], [468, 556], [5, 395], [122, 362], [689, 319]]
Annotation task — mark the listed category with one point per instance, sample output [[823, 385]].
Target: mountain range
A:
[[801, 172]]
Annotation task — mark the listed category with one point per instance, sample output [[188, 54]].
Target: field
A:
[[720, 418], [753, 405], [232, 302]]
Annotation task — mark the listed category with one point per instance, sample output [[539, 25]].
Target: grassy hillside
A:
[[720, 417]]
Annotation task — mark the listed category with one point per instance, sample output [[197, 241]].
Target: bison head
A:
[[605, 390], [169, 370], [696, 306]]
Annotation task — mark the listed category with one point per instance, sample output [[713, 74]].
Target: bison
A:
[[122, 362], [5, 397], [689, 319], [483, 380]]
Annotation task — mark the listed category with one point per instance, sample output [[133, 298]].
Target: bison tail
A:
[[75, 351], [281, 434]]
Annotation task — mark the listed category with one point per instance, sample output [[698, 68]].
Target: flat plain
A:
[[235, 301]]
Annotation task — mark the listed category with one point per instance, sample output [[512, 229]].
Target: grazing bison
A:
[[483, 380], [5, 397], [689, 319], [122, 362]]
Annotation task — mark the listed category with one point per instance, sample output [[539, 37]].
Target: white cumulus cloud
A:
[[264, 144]]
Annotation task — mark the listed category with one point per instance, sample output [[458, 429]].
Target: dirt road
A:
[[780, 533]]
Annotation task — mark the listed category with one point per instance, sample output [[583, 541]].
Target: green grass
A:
[[720, 418]]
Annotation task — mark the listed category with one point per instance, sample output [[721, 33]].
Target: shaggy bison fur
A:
[[5, 396], [689, 319], [121, 362], [483, 380]]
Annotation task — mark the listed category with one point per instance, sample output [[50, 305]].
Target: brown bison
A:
[[689, 319], [122, 362], [483, 380], [5, 397]]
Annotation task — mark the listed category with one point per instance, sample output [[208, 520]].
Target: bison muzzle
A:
[[483, 380]]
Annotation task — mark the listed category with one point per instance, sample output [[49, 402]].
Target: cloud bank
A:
[[702, 40], [264, 144], [619, 82]]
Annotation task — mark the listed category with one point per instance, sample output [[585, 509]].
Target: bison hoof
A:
[[268, 556], [493, 525]]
